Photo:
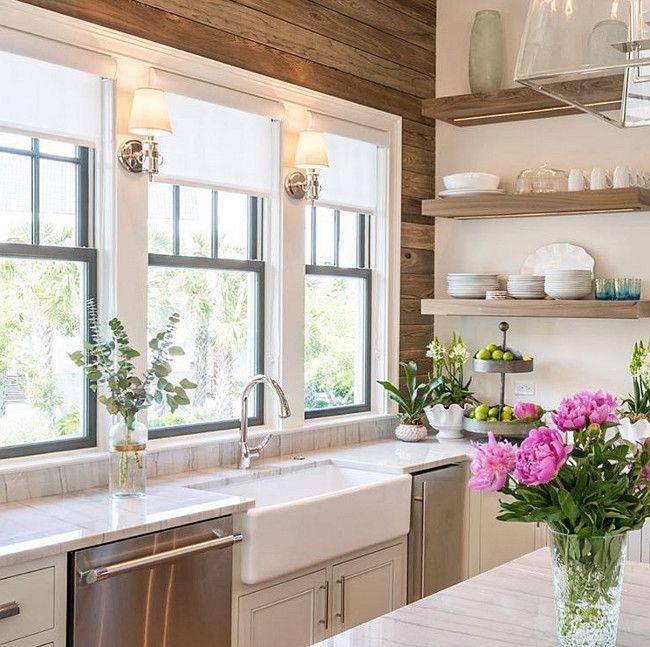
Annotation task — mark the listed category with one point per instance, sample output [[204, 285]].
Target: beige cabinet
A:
[[307, 609], [290, 614], [33, 603], [368, 587], [493, 542]]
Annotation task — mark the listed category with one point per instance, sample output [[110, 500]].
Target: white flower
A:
[[458, 353], [644, 369], [436, 351]]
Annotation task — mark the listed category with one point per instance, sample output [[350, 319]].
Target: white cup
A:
[[622, 177], [577, 180], [599, 179]]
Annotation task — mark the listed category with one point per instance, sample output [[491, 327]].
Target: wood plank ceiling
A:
[[379, 53]]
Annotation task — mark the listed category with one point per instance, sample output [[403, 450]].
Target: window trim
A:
[[251, 265], [361, 272]]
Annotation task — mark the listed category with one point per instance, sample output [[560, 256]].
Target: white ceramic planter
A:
[[447, 420], [411, 433], [635, 432]]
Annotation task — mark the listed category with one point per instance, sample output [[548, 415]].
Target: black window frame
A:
[[253, 264], [363, 272], [81, 252]]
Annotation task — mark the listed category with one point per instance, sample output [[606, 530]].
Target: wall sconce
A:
[[149, 118], [311, 155]]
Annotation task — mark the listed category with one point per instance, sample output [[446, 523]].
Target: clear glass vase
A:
[[587, 580], [128, 459]]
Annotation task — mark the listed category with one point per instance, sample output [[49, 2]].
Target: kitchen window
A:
[[338, 289], [204, 263], [47, 275]]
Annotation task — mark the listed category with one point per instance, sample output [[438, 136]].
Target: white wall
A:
[[570, 354]]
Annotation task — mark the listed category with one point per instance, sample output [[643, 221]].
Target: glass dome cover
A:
[[592, 54]]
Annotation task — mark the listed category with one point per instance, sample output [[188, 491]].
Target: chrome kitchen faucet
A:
[[246, 453]]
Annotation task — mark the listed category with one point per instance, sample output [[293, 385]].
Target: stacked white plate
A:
[[568, 284], [471, 286], [522, 286]]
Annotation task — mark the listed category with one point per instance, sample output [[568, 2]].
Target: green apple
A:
[[484, 354], [492, 347], [508, 356], [497, 355], [493, 412]]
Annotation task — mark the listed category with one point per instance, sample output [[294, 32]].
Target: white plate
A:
[[559, 256], [468, 193]]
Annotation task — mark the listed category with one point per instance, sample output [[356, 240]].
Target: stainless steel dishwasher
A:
[[436, 540], [166, 589]]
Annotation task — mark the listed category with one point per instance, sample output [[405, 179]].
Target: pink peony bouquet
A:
[[574, 476]]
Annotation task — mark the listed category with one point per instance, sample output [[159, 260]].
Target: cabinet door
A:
[[291, 614], [368, 587], [501, 541]]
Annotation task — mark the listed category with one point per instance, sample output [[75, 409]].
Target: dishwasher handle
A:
[[104, 572]]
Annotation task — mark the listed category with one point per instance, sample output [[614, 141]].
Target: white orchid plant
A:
[[637, 405], [449, 372]]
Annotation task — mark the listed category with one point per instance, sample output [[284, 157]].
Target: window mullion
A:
[[337, 236], [36, 193], [314, 224], [361, 240], [176, 220], [83, 176], [214, 229], [253, 222]]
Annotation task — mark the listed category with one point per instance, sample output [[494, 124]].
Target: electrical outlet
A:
[[524, 388]]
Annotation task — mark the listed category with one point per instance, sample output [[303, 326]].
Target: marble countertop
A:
[[510, 605], [47, 526]]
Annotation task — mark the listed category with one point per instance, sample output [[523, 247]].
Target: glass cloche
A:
[[542, 179]]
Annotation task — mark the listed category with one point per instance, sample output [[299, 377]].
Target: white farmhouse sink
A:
[[315, 514]]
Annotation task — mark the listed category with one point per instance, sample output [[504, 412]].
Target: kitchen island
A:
[[509, 605]]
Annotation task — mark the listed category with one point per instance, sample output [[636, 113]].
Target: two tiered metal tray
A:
[[515, 430]]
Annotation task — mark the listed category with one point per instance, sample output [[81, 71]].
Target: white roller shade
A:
[[52, 51], [49, 99], [351, 179], [334, 126], [216, 145], [226, 97]]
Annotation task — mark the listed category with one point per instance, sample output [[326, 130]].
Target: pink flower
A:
[[582, 409], [526, 410], [492, 464], [540, 456]]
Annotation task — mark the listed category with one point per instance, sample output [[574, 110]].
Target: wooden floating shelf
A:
[[582, 309], [523, 103], [539, 204]]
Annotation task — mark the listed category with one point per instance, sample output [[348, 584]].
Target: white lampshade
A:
[[149, 113], [312, 150]]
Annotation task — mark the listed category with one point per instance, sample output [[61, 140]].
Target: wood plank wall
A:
[[379, 53]]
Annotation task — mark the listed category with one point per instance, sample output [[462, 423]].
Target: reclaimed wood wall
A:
[[379, 53]]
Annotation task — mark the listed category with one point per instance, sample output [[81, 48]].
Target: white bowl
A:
[[485, 181]]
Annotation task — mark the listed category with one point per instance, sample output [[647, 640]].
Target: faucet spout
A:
[[246, 453]]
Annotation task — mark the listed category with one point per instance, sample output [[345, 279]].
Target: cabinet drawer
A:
[[33, 594]]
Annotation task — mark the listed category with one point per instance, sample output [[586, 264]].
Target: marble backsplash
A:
[[17, 485]]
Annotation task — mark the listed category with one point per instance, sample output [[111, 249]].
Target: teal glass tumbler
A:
[[627, 289], [605, 290]]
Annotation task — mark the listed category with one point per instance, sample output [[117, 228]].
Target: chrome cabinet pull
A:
[[9, 610], [103, 572], [326, 587], [341, 615]]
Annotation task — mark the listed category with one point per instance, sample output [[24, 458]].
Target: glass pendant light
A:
[[592, 54]]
